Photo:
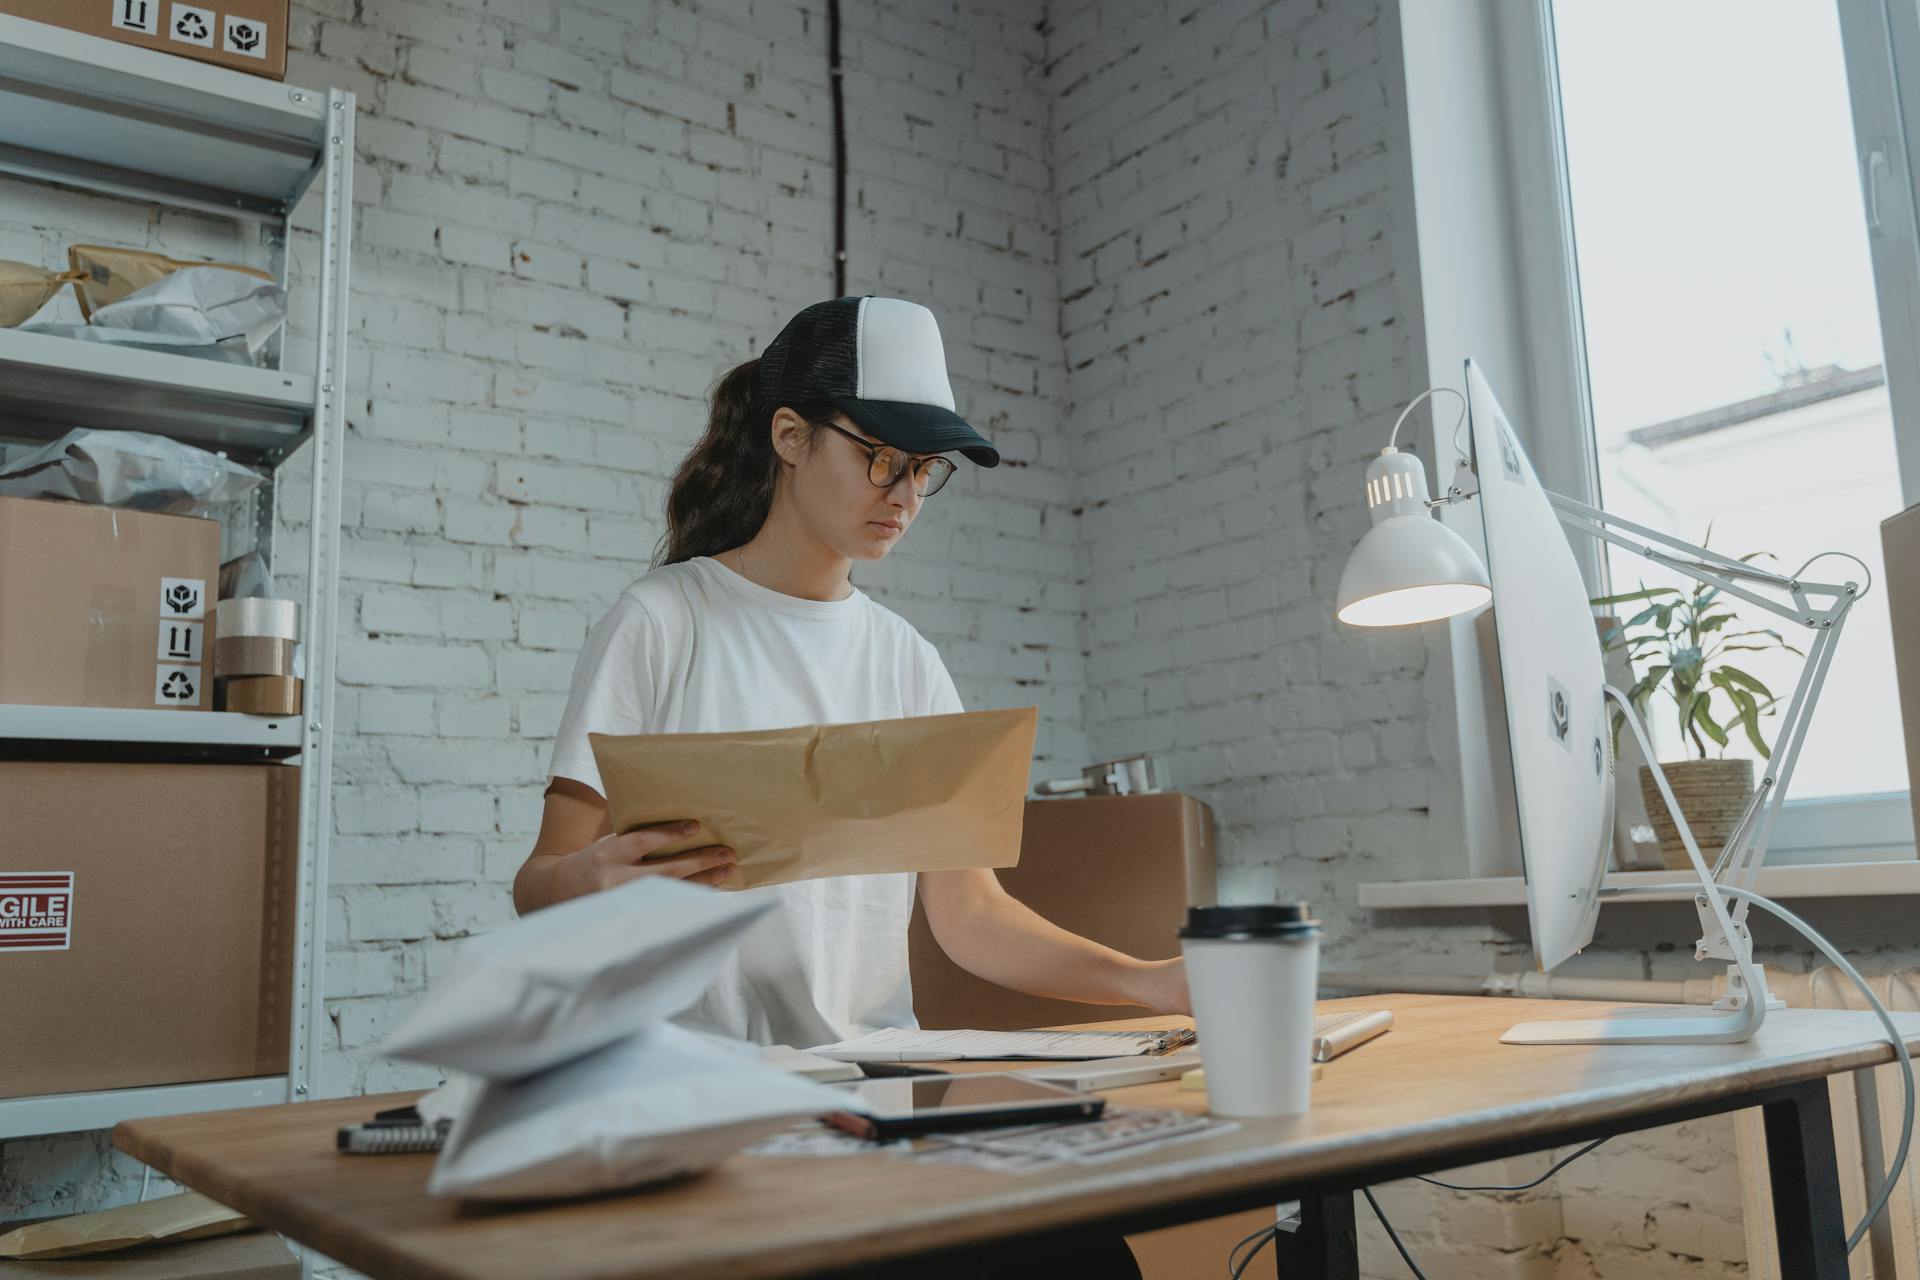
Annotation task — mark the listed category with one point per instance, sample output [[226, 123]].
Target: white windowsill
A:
[[1830, 880]]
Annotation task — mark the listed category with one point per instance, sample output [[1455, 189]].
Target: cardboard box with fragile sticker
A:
[[247, 35], [169, 957]]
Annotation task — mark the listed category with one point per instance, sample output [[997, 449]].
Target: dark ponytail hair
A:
[[724, 488]]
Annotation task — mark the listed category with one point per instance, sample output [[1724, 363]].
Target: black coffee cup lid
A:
[[1251, 921]]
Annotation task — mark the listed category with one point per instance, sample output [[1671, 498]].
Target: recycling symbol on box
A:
[[179, 687], [192, 25]]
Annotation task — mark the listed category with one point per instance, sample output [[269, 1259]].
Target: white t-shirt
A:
[[696, 648]]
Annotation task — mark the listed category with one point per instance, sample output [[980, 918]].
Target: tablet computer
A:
[[942, 1104]]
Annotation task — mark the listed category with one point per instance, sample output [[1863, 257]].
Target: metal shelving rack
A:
[[83, 112]]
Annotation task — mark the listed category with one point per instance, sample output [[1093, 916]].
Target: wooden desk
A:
[[1437, 1092]]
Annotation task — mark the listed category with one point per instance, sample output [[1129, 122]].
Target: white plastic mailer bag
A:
[[199, 306], [131, 469], [575, 977], [660, 1103]]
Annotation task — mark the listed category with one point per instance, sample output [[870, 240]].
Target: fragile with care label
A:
[[101, 607], [36, 910]]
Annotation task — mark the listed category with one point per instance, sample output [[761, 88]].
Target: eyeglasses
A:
[[886, 464]]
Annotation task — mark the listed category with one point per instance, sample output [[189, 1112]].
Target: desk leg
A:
[[1807, 1218], [1324, 1246]]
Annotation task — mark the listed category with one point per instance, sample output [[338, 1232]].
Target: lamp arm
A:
[[1744, 872], [1739, 862], [1707, 566], [1594, 515]]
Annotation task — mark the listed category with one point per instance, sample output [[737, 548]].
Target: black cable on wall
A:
[[834, 78]]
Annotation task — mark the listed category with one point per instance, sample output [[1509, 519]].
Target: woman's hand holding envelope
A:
[[615, 859]]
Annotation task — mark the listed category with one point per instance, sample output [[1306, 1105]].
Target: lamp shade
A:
[[1408, 567]]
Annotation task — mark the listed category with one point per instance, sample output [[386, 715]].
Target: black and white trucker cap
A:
[[880, 362]]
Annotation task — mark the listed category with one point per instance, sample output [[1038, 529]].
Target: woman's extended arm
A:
[[577, 852], [993, 935]]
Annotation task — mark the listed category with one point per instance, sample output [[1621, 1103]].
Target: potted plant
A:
[[1680, 643]]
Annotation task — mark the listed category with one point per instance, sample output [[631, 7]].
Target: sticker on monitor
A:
[[1509, 453], [1559, 713]]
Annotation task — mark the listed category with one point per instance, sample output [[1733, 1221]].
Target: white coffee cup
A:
[[1251, 974]]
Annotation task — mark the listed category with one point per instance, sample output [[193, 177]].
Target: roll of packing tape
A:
[[259, 695], [259, 616], [252, 656]]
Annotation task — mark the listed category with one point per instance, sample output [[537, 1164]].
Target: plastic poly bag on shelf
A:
[[128, 469], [225, 353], [575, 977], [197, 306], [660, 1103], [106, 274], [245, 577]]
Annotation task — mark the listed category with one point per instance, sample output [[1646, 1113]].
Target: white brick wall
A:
[[1226, 195]]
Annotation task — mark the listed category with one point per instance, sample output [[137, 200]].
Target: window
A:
[[1730, 299]]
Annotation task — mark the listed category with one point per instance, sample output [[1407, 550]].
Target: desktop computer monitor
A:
[[1552, 679]]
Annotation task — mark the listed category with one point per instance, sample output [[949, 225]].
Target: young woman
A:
[[816, 455]]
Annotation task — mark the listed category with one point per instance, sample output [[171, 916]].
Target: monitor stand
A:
[[1732, 1018]]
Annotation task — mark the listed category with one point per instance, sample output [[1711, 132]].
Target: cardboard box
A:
[[257, 1256], [146, 923], [247, 35], [1118, 869], [1900, 544], [101, 607]]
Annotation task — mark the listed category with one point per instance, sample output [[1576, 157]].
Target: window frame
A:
[[1881, 44]]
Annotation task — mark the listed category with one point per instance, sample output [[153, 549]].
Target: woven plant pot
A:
[[1712, 793]]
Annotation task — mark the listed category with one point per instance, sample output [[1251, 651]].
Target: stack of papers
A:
[[797, 1062], [898, 1044]]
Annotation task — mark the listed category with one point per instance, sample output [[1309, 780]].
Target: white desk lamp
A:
[[1410, 568]]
